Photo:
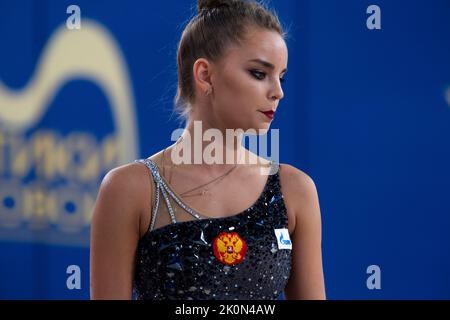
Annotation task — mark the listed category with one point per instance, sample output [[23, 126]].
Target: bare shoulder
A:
[[127, 178], [125, 186], [294, 178], [299, 192], [115, 232], [132, 173]]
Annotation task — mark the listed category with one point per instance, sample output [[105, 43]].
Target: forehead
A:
[[261, 44]]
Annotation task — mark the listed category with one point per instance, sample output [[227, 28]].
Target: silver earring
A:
[[208, 92]]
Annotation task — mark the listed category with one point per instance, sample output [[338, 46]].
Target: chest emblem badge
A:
[[229, 248]]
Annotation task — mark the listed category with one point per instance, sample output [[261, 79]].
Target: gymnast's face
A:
[[247, 81]]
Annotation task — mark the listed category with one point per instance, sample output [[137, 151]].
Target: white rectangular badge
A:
[[283, 240]]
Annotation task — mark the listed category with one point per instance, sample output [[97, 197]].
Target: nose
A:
[[277, 91]]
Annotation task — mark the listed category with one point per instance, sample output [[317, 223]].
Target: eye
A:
[[282, 80], [258, 74]]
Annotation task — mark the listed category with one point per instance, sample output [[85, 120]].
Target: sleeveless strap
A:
[[167, 193]]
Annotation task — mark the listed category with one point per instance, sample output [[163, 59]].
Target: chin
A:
[[261, 128], [263, 131]]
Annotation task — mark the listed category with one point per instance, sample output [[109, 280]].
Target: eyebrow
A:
[[266, 64]]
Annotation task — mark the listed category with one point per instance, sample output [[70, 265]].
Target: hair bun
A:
[[211, 4]]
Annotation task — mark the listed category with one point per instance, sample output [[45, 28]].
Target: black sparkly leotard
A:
[[242, 257]]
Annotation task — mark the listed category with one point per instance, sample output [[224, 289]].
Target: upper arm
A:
[[114, 235], [306, 280]]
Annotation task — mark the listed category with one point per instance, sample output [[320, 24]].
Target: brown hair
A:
[[218, 24]]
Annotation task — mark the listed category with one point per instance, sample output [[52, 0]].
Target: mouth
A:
[[269, 114]]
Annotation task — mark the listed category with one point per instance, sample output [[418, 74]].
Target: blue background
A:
[[364, 115]]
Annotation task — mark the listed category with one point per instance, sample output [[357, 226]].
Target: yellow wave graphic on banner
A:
[[89, 53]]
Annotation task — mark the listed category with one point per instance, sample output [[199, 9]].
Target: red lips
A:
[[269, 114]]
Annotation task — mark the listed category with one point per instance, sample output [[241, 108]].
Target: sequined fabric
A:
[[177, 261]]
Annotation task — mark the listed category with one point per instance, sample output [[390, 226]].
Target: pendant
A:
[[229, 248]]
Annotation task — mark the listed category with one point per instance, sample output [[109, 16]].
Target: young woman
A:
[[162, 229]]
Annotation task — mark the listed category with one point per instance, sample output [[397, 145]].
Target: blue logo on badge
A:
[[283, 241]]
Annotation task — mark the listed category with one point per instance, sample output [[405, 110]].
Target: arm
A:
[[306, 280], [114, 235]]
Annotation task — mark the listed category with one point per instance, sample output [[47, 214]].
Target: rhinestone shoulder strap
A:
[[166, 191]]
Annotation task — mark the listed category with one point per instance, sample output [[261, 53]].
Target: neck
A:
[[208, 148]]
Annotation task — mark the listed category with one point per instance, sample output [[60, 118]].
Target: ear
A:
[[201, 71]]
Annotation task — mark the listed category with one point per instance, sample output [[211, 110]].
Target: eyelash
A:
[[255, 72]]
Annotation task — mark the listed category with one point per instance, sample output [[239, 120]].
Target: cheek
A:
[[240, 91]]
